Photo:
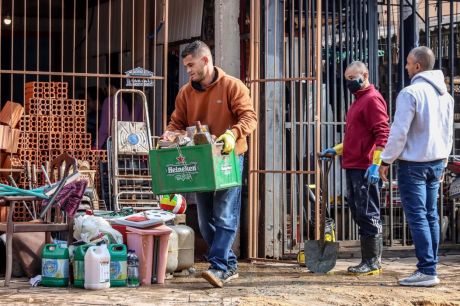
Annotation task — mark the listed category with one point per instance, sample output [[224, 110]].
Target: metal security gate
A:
[[283, 167], [286, 88], [79, 46]]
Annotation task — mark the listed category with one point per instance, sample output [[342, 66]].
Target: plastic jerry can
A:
[[79, 265], [173, 251], [55, 266], [97, 267], [118, 265], [186, 243]]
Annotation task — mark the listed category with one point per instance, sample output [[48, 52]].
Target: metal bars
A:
[[284, 70], [288, 81], [81, 44]]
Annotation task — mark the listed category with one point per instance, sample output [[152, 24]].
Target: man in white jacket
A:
[[420, 141]]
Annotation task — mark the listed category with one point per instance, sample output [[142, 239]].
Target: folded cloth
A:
[[70, 196]]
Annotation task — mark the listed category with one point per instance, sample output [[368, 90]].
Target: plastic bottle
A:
[[133, 269], [55, 266], [118, 265], [79, 265], [97, 267]]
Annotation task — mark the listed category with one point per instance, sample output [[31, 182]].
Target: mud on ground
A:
[[263, 283]]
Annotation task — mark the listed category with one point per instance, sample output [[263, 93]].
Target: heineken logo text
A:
[[182, 171], [176, 169]]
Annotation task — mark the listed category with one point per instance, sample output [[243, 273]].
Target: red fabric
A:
[[136, 218], [366, 127], [122, 230], [454, 167]]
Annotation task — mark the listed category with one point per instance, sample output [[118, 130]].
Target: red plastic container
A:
[[151, 247], [122, 230]]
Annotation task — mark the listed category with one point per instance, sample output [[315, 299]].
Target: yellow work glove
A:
[[376, 160], [339, 148], [229, 141], [372, 173]]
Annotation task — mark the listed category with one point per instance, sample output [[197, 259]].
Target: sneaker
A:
[[418, 279], [214, 277], [230, 274], [365, 268]]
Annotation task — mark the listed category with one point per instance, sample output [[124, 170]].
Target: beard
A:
[[199, 76]]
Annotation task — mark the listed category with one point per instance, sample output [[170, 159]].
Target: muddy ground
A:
[[263, 283]]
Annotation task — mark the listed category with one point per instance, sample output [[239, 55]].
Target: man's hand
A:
[[332, 152], [329, 152], [383, 171], [229, 141], [372, 174]]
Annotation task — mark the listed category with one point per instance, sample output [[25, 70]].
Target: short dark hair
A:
[[424, 56], [195, 48]]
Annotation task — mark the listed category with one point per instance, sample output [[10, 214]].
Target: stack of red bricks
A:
[[54, 124]]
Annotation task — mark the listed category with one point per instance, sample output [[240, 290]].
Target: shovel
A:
[[321, 255]]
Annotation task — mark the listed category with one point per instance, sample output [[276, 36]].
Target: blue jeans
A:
[[418, 185], [219, 218], [364, 202]]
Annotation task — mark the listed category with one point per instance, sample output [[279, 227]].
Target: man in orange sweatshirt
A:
[[222, 102]]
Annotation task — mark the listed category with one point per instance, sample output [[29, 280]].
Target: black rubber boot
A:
[[370, 252]]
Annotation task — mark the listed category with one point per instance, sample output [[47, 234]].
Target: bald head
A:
[[423, 56]]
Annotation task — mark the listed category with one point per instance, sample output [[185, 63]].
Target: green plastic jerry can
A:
[[118, 265], [55, 266], [79, 265]]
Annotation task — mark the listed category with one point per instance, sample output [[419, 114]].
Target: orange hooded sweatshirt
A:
[[224, 104]]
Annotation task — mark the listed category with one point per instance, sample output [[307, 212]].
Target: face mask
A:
[[354, 85]]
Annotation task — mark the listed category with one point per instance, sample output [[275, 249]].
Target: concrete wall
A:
[[227, 36]]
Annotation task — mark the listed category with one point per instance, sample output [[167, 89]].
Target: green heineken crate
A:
[[193, 168]]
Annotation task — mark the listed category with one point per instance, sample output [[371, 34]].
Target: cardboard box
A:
[[11, 114], [9, 139]]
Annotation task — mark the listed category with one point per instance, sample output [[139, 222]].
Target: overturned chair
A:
[[55, 213]]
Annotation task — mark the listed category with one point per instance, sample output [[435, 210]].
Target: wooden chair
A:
[[53, 221]]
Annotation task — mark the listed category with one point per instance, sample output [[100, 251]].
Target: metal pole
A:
[[390, 103], [165, 63], [451, 48], [439, 34], [318, 116], [427, 24]]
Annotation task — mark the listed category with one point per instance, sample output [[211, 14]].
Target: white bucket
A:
[[97, 267]]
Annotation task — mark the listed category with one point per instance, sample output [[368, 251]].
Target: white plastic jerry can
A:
[[97, 267]]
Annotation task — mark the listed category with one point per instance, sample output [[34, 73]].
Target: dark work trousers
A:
[[364, 202]]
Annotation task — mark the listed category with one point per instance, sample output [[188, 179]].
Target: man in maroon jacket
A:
[[366, 134]]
